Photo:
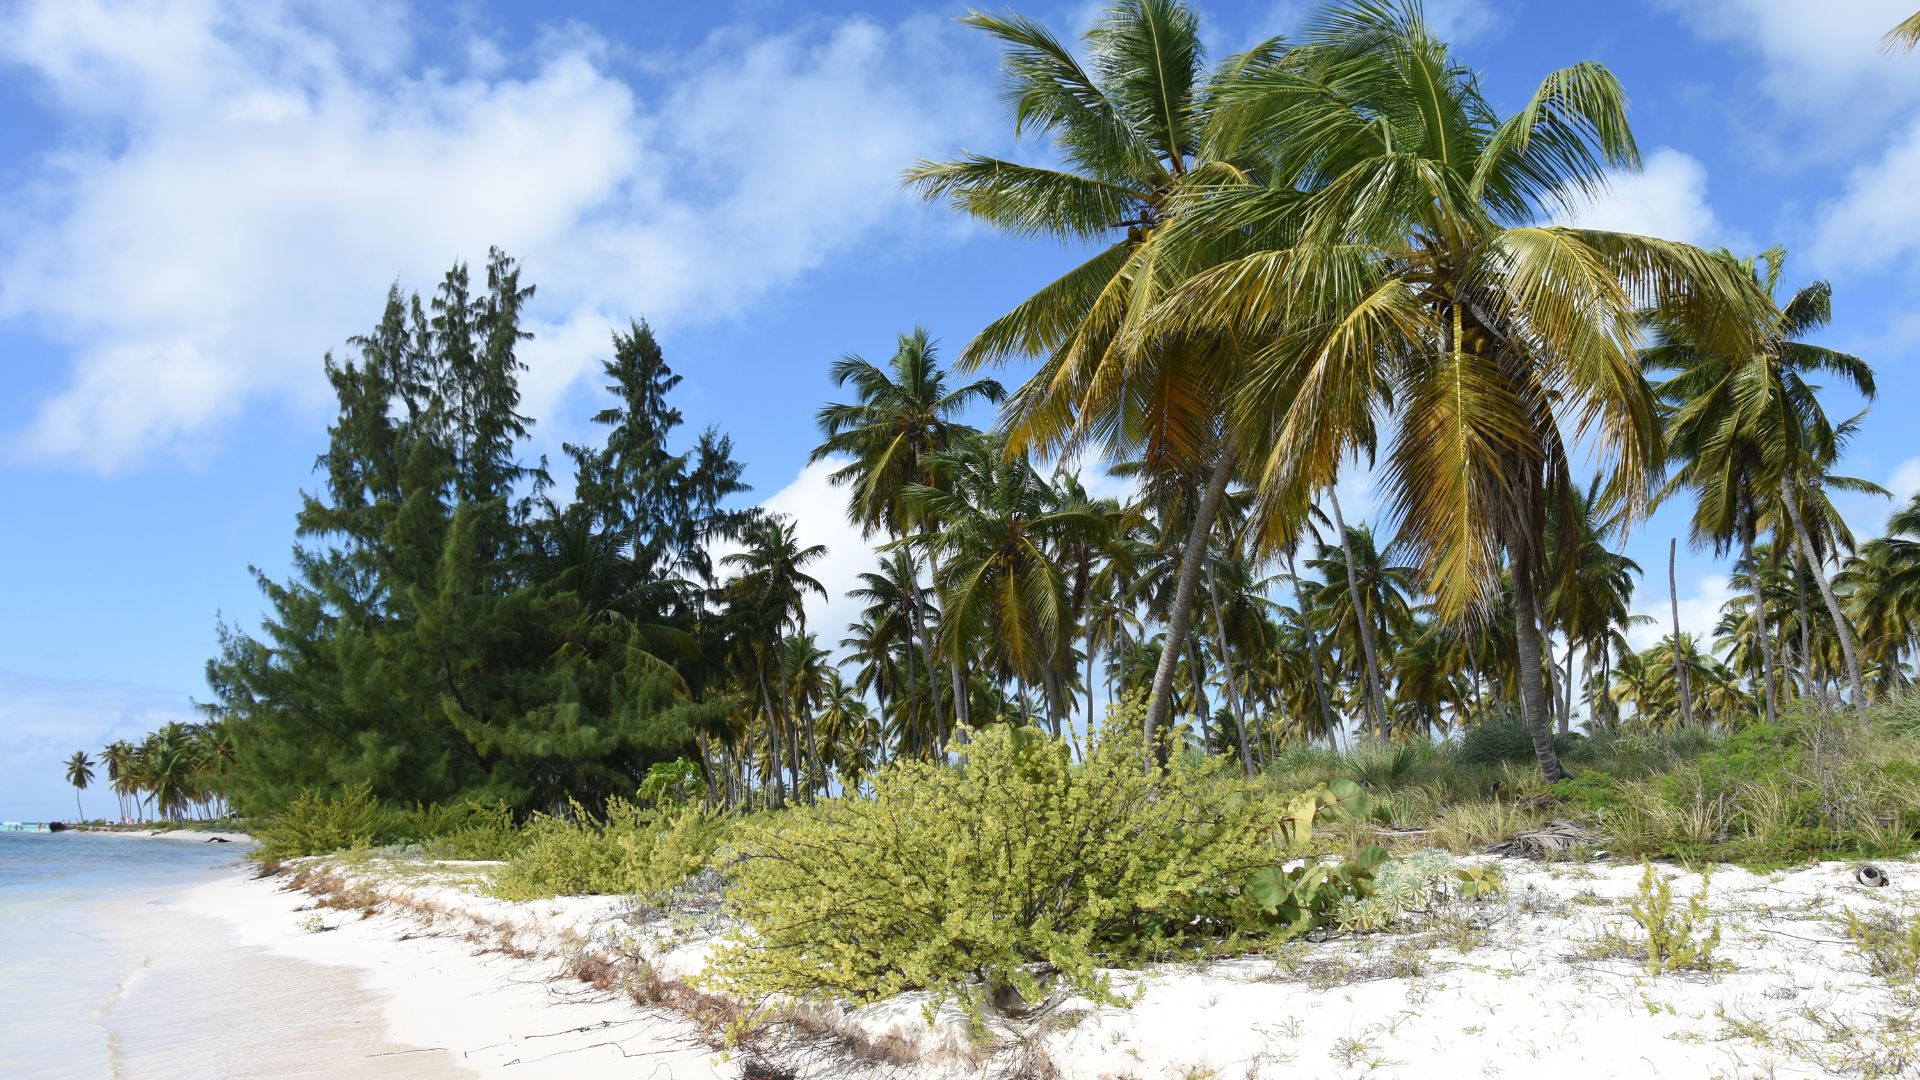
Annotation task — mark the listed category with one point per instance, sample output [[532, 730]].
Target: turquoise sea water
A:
[[102, 977]]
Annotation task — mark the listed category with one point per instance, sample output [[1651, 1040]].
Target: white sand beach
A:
[[1498, 988]]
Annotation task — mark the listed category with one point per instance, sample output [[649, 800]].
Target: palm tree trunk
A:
[[962, 707], [706, 767], [1800, 571], [1608, 715], [1566, 701], [1375, 701], [1200, 706], [1840, 627], [1090, 686], [1313, 652], [1226, 661], [1160, 702], [773, 737], [1533, 692], [925, 634], [1759, 617], [1552, 675], [1679, 664]]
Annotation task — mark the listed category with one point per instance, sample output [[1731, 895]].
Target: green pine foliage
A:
[[450, 632]]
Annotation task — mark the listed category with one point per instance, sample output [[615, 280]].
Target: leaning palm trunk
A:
[[1759, 618], [1679, 663], [1376, 708], [1814, 689], [1160, 702], [1532, 676], [1840, 627], [1313, 653], [1226, 664]]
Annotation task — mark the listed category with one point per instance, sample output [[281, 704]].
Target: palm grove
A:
[[1303, 260]]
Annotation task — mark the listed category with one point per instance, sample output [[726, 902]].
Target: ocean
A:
[[102, 976]]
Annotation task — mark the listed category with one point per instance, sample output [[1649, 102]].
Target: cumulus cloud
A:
[[236, 183], [1816, 60], [1876, 219], [819, 514], [1666, 198]]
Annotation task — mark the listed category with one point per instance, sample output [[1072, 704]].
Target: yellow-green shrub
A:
[[1016, 863], [633, 850], [315, 824]]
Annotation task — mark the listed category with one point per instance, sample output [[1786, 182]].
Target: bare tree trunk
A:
[[1759, 617], [1679, 663], [1201, 707], [1226, 662], [1376, 702], [1313, 653], [1840, 627], [1533, 692], [1160, 701]]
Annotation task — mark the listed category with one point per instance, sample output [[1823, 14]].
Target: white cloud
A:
[[1458, 21], [1699, 609], [1817, 59], [1667, 198], [1876, 220], [238, 183], [818, 511]]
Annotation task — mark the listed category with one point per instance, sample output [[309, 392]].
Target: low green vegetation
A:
[[631, 850], [1016, 862]]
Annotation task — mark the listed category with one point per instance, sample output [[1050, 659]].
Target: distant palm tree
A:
[[79, 774], [1000, 583], [904, 413], [772, 588], [1748, 430]]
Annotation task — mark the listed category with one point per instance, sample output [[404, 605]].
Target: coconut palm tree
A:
[[1001, 585], [902, 414], [1389, 265], [1133, 129], [80, 775], [773, 584], [1881, 588], [1750, 433], [1592, 593]]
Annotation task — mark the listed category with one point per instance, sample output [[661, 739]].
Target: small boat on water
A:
[[25, 826]]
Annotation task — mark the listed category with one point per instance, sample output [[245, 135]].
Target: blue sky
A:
[[198, 199]]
